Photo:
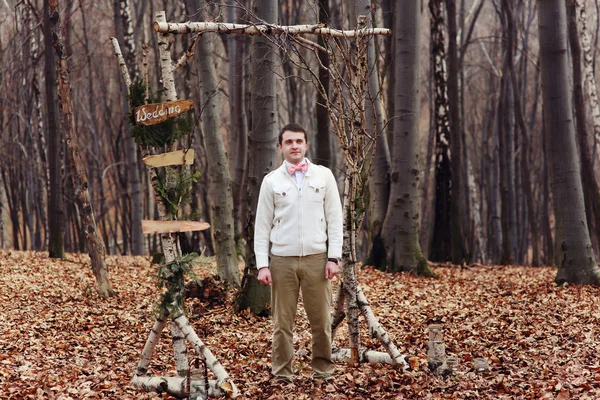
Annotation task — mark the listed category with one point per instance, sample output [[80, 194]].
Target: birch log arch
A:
[[347, 110]]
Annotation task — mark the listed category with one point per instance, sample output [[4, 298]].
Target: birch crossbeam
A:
[[149, 226], [259, 29]]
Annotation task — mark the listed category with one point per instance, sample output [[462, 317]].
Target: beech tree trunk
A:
[[78, 174], [526, 167], [379, 182], [56, 245], [218, 167], [401, 227], [262, 154], [441, 242], [237, 45], [457, 207], [574, 254], [324, 149]]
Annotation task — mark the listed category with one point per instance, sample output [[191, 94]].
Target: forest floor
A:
[[59, 340]]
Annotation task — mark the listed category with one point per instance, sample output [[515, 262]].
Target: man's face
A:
[[293, 146]]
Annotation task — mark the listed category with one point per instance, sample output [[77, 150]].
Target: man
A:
[[299, 216]]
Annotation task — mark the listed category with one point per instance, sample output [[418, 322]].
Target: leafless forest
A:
[[480, 132]]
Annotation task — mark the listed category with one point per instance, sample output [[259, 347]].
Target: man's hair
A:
[[292, 128]]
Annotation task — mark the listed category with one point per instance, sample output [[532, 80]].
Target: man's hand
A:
[[264, 276], [331, 270]]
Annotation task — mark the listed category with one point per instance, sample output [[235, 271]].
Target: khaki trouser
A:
[[289, 274]]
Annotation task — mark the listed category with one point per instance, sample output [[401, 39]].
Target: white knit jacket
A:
[[298, 222]]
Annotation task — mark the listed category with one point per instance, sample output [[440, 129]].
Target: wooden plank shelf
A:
[[149, 226], [178, 157]]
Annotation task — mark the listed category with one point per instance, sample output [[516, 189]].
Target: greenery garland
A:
[[162, 134]]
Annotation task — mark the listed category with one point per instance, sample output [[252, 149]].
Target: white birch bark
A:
[[179, 350], [377, 331], [364, 356], [259, 29], [588, 59], [223, 380], [166, 64], [150, 345], [177, 386], [348, 273], [121, 60]]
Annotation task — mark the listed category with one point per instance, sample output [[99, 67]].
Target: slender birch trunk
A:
[[588, 62], [591, 191]]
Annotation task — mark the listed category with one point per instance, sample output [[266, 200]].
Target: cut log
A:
[[149, 226], [178, 157], [364, 356], [151, 114], [177, 386]]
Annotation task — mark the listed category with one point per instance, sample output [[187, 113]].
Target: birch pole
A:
[[588, 60]]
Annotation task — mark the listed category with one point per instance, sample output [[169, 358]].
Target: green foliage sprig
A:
[[171, 279], [182, 190], [161, 134]]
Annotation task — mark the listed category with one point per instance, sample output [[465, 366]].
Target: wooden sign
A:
[[173, 226], [178, 157], [151, 114]]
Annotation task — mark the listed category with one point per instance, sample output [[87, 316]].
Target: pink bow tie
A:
[[300, 167]]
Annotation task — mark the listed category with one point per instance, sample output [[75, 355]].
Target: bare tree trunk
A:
[[379, 182], [56, 214], [218, 167], [133, 173], [589, 64], [441, 242], [575, 257], [591, 191], [95, 245], [324, 151], [237, 45], [526, 166], [457, 214], [401, 227], [262, 154]]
